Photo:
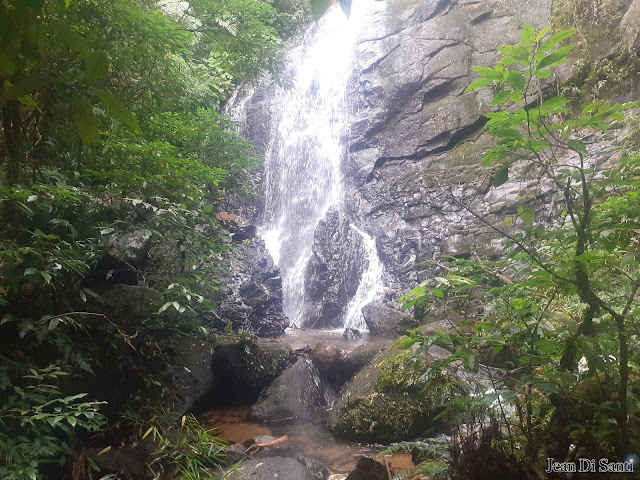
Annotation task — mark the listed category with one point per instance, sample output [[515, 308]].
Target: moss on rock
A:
[[391, 399]]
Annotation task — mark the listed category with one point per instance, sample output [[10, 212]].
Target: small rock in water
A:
[[317, 469], [351, 334], [368, 469]]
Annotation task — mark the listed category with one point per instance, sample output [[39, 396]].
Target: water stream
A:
[[304, 158]]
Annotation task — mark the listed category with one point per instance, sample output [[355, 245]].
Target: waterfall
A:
[[371, 286], [303, 169]]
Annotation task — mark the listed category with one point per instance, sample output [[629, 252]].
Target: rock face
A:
[[416, 132], [299, 392], [334, 270], [387, 322], [416, 140], [252, 296]]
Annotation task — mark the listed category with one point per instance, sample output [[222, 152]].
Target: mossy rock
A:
[[389, 401]]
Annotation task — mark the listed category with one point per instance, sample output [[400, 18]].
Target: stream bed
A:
[[308, 437]]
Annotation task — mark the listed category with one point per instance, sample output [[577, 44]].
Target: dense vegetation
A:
[[113, 158], [553, 328]]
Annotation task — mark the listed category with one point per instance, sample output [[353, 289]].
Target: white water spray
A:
[[303, 160]]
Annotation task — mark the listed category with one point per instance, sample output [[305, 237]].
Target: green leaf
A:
[[86, 122], [516, 97], [556, 57], [508, 133], [481, 82], [562, 35], [544, 73], [96, 67], [528, 34], [502, 176], [554, 102], [516, 80], [490, 73], [46, 276], [527, 214], [542, 33], [591, 107], [500, 97], [578, 146], [31, 271], [23, 88], [318, 7], [118, 109]]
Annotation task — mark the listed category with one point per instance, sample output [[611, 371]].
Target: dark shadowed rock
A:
[[131, 301], [337, 365], [299, 392], [385, 321], [334, 271], [243, 368], [351, 334], [368, 469], [252, 297], [271, 468]]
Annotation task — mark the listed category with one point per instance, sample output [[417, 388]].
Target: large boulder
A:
[[337, 365], [388, 400], [334, 270], [243, 367], [130, 301], [271, 468], [298, 393], [385, 321]]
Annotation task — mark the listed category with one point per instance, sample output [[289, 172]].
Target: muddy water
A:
[[310, 437]]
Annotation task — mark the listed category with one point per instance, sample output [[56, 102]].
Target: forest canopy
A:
[[113, 156]]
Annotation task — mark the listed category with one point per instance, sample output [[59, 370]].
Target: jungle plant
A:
[[566, 291], [182, 447]]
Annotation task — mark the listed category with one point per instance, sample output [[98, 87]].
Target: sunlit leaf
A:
[[526, 213]]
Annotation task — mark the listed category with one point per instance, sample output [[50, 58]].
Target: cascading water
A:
[[303, 160]]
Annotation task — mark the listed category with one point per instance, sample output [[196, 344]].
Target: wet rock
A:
[[244, 368], [385, 321], [337, 365], [368, 469], [299, 392], [191, 376], [235, 453], [272, 467], [317, 469], [334, 271], [131, 301], [351, 334], [252, 297]]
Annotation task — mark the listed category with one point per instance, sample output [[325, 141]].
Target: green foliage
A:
[[112, 149], [563, 292], [182, 447], [38, 422]]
